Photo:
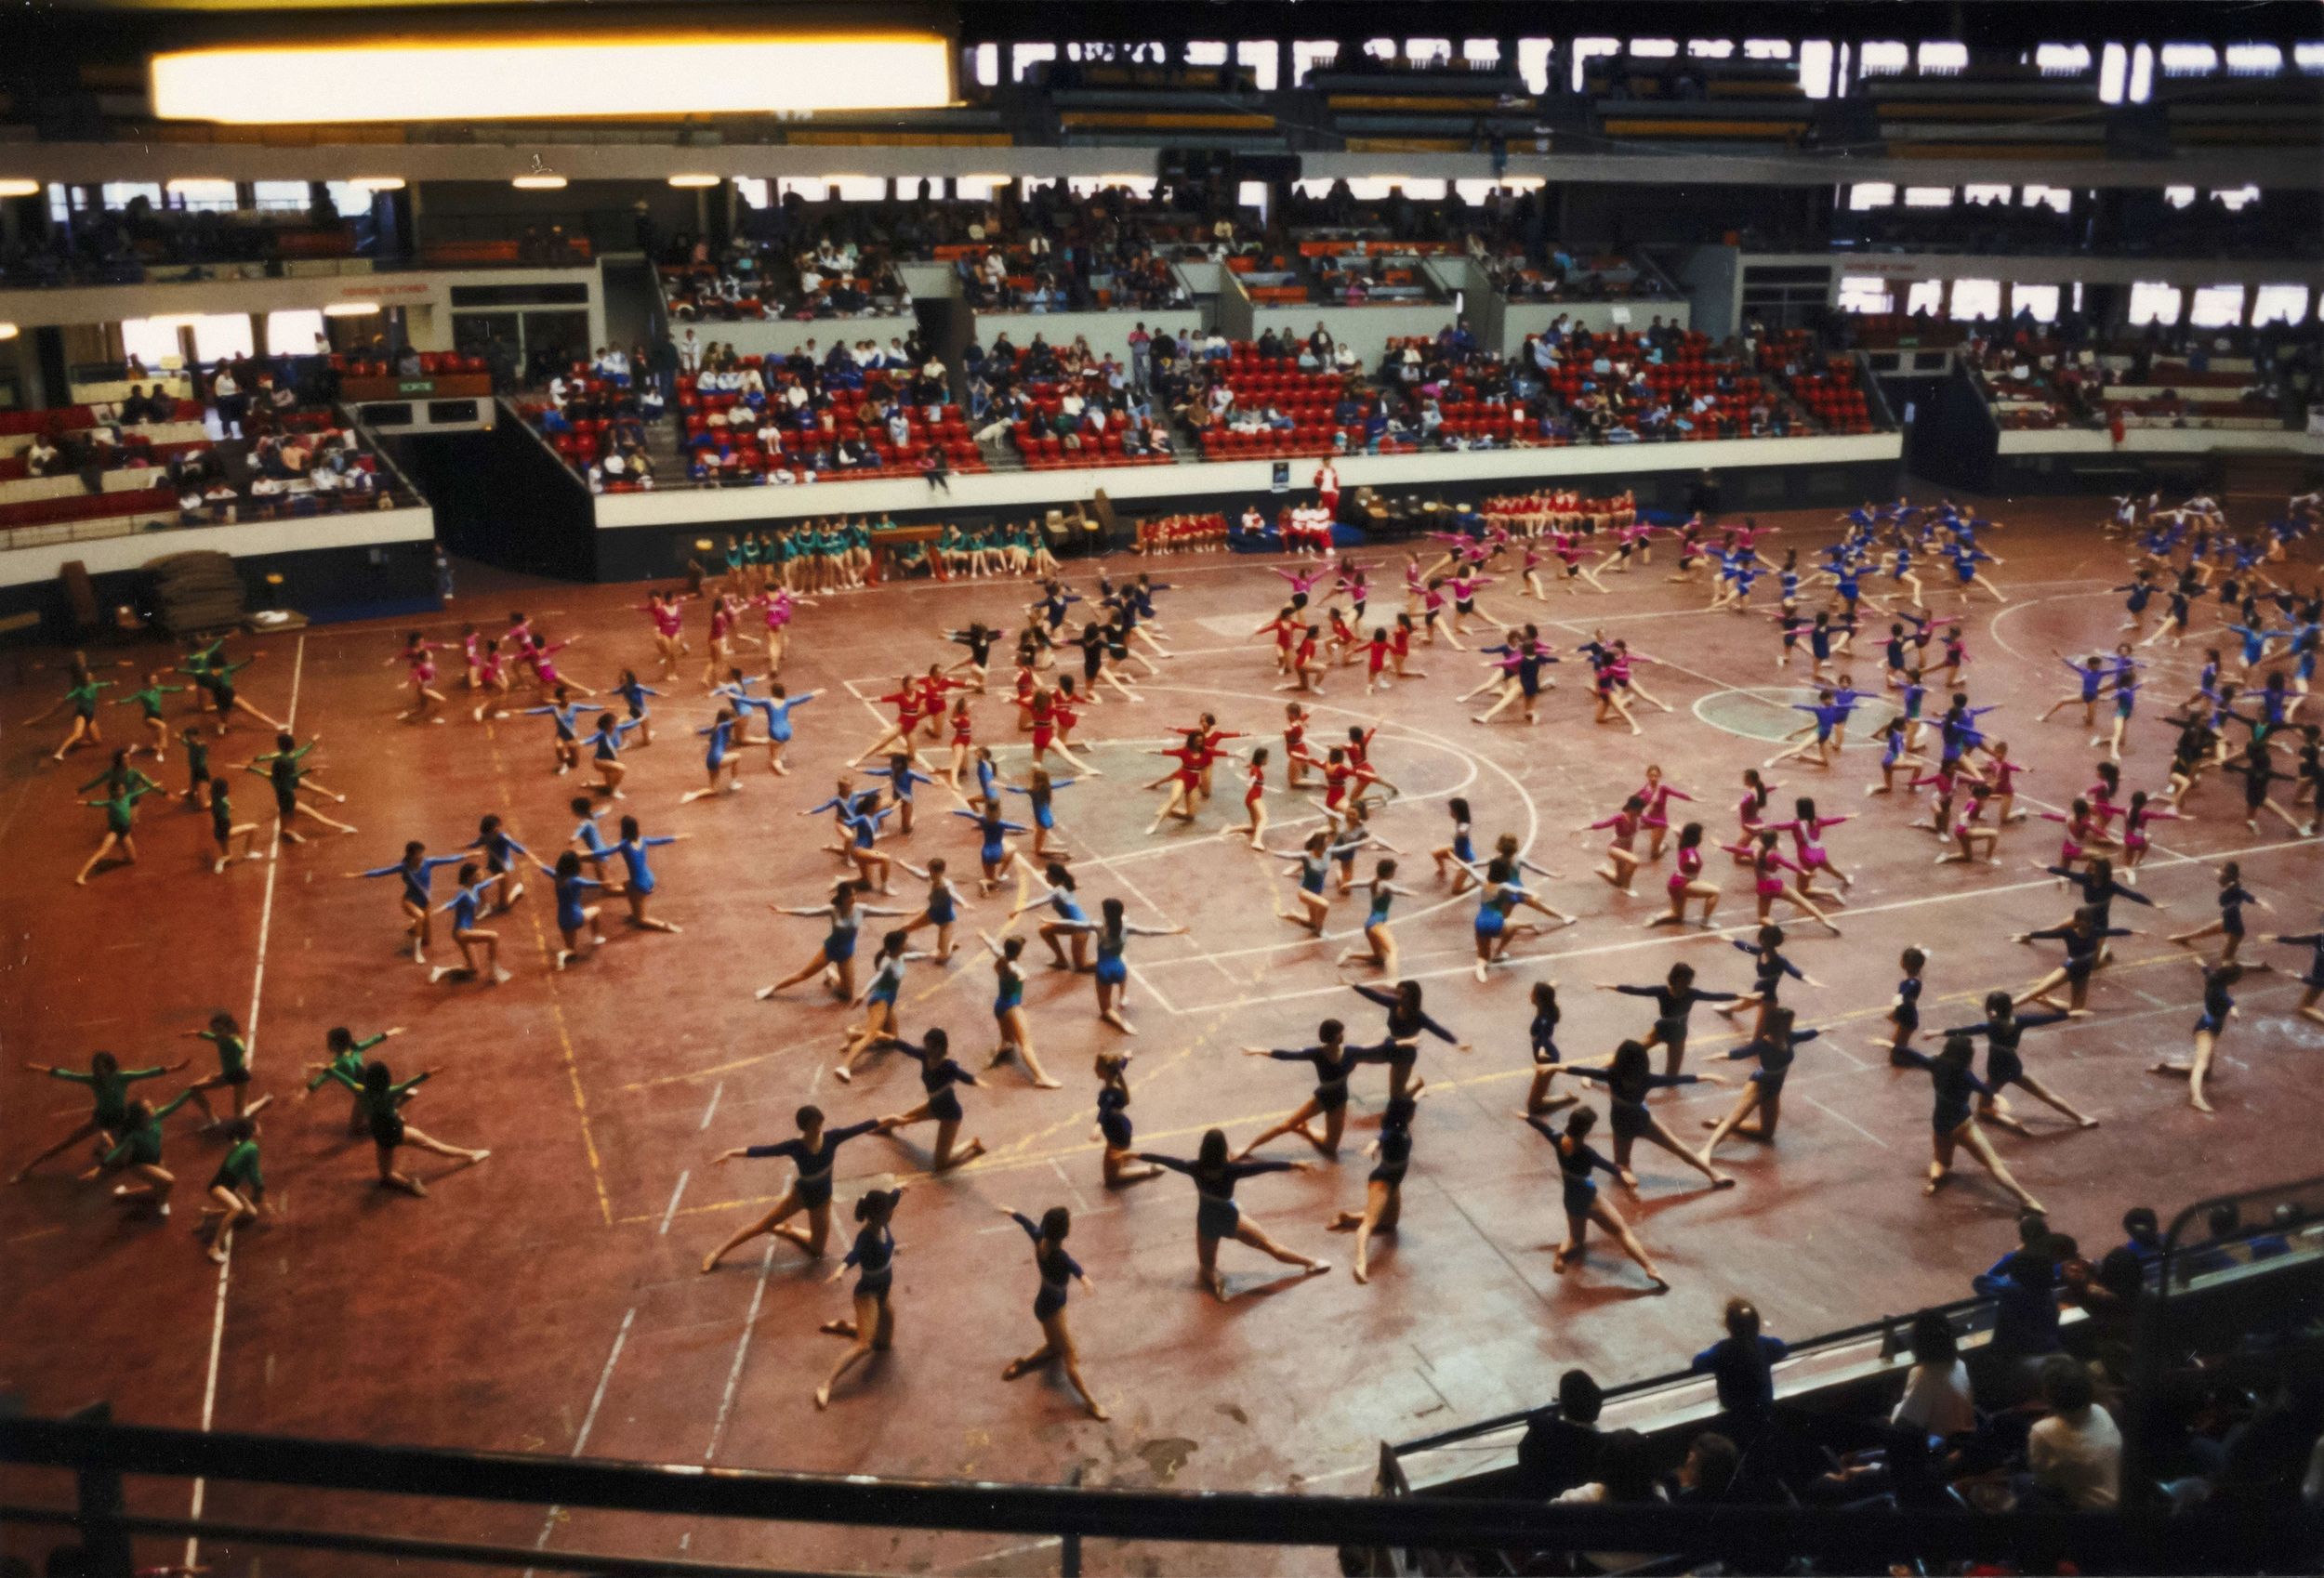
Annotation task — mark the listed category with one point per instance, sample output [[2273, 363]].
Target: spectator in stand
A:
[[1708, 1473], [1560, 1447], [2074, 1456], [1625, 1477], [2023, 1286], [1743, 1363], [44, 458], [1937, 1399]]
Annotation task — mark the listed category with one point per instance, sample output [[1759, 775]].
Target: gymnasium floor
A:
[[549, 1300]]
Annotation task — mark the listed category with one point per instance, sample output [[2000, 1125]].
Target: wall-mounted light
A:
[[349, 309], [7, 330], [521, 78], [543, 182], [17, 187], [692, 181], [378, 183]]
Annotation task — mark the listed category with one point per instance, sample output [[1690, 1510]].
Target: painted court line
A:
[[672, 1209], [742, 1352], [589, 1423], [250, 1042], [711, 1111]]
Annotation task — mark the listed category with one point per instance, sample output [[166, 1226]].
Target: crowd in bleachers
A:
[[2033, 1417], [751, 279], [2038, 376], [118, 246], [1067, 406]]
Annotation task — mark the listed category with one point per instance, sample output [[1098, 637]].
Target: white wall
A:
[[1367, 329], [1144, 485], [1106, 332], [780, 336], [2157, 440], [1522, 317], [104, 555], [428, 293]]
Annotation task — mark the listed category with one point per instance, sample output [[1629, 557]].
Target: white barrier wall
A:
[[103, 555], [2157, 440], [1108, 333], [1520, 318], [1144, 484], [780, 336], [1366, 329]]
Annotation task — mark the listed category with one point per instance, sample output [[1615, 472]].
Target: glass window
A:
[[296, 332], [2309, 56], [1816, 68], [809, 188], [1876, 57], [1766, 49], [120, 194], [2063, 60], [988, 65], [2114, 66], [2189, 59], [1252, 196], [2001, 194], [214, 196], [1865, 293], [1943, 57], [1428, 49], [152, 341], [1710, 48], [1312, 53], [1654, 48], [2057, 197], [859, 188], [2141, 74], [1205, 54], [1258, 56], [978, 188], [2280, 304], [1023, 57], [1977, 300], [1533, 64], [2178, 196], [1928, 197], [2216, 306], [2039, 301], [753, 191], [1587, 49], [347, 200], [60, 203], [2257, 60], [280, 197], [1924, 295], [220, 337], [2154, 303], [1870, 194], [2237, 197], [1483, 51]]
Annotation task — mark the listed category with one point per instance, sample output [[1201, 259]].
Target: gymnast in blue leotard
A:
[[573, 911], [718, 758], [638, 890], [1016, 1035], [1775, 1046], [1070, 922], [993, 851], [835, 958]]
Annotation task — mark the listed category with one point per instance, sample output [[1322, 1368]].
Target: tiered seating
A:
[[1306, 397], [1688, 370], [2004, 109], [2175, 395], [432, 363], [1834, 398], [799, 449]]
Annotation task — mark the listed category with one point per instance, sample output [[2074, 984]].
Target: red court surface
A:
[[550, 1299]]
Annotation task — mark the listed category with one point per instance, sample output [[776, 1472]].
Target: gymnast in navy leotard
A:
[[1952, 1117], [1629, 1078], [2218, 1005], [1384, 1187], [1408, 1021], [1904, 1010], [1775, 1046], [1217, 1216], [1576, 1160], [1333, 1062], [1114, 1125], [2002, 1028], [873, 1257], [939, 1075], [814, 1152], [2313, 980], [1058, 1271]]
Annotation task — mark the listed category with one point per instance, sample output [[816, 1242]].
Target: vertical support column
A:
[[100, 1505]]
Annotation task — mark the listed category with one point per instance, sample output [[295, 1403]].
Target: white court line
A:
[[1661, 940], [250, 1046], [589, 1422], [711, 1111], [742, 1352], [672, 1209], [1850, 1122]]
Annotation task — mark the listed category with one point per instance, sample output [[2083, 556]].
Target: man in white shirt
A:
[[2076, 1453], [689, 353]]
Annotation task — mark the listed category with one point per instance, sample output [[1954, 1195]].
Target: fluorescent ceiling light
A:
[[696, 180], [7, 330], [515, 79], [17, 188], [349, 309], [378, 183], [538, 183]]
